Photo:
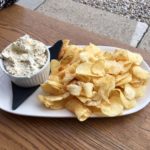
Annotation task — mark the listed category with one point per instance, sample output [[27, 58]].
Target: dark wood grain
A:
[[122, 133]]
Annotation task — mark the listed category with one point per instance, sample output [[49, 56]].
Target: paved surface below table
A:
[[92, 19], [96, 20], [31, 4], [145, 43]]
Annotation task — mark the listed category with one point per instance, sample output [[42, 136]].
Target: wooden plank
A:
[[16, 132]]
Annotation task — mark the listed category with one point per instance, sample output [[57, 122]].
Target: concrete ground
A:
[[99, 21], [145, 43], [31, 4]]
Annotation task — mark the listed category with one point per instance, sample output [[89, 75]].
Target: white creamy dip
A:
[[24, 57]]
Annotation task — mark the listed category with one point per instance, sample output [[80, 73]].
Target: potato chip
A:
[[121, 55], [84, 56], [125, 79], [55, 84], [125, 55], [72, 67], [91, 53], [96, 96], [139, 91], [114, 108], [53, 98], [140, 73], [94, 103], [106, 85], [113, 67], [68, 78], [108, 56], [98, 68], [83, 99], [53, 104], [135, 58], [96, 81], [63, 49], [54, 78], [136, 82], [74, 89], [54, 66], [89, 101], [68, 51], [96, 111], [81, 111], [98, 55], [52, 87], [119, 96], [83, 78], [122, 76], [126, 66], [88, 89], [92, 49], [129, 92], [84, 69], [66, 60]]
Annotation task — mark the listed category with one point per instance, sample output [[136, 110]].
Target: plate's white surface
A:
[[32, 107]]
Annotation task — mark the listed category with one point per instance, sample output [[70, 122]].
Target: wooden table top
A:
[[16, 132]]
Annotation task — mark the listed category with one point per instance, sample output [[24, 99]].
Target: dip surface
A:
[[24, 57]]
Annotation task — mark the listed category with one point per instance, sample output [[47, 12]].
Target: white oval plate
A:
[[32, 107]]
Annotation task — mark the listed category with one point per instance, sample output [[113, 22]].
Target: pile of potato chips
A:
[[87, 81]]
